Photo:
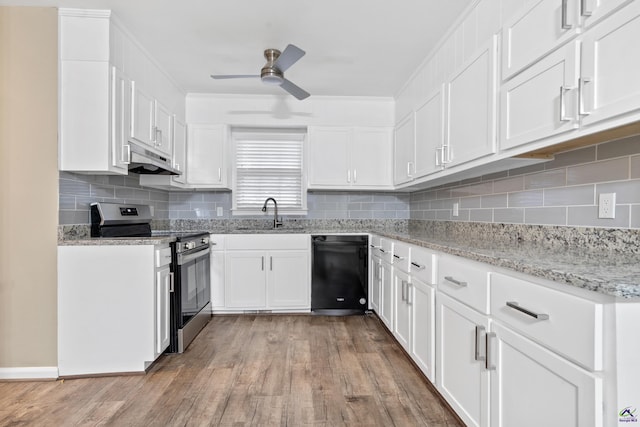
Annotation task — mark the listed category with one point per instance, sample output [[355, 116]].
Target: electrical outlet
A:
[[607, 205], [219, 211], [456, 209]]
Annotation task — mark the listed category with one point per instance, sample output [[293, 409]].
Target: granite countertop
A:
[[610, 273]]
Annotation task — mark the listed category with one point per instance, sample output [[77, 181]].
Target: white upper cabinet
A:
[[404, 151], [592, 11], [536, 30], [349, 157], [472, 108], [430, 134], [163, 129], [207, 148], [179, 149], [142, 122], [541, 101], [609, 84]]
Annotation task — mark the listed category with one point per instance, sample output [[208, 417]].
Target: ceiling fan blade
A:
[[234, 76], [288, 57], [294, 90]]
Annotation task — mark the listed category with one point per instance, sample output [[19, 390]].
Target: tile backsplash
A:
[[561, 192]]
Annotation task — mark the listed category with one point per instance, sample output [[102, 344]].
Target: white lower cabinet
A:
[[275, 275], [423, 327], [386, 295], [532, 386], [462, 375], [164, 287], [403, 312], [376, 280]]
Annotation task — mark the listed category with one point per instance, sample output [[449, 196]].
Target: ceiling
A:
[[354, 48]]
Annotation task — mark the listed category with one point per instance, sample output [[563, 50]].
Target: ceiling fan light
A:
[[272, 80]]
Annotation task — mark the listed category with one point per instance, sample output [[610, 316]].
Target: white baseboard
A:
[[29, 373]]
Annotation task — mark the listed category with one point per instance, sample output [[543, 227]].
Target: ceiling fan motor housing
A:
[[270, 74]]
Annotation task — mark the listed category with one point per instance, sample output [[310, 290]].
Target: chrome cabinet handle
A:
[[403, 283], [349, 175], [127, 159], [488, 363], [455, 282], [171, 279], [219, 174], [480, 330], [438, 157], [581, 82], [446, 154], [563, 112], [409, 297], [516, 306], [262, 263], [270, 263], [584, 9], [398, 257], [418, 266], [382, 250], [355, 176], [375, 247], [564, 24]]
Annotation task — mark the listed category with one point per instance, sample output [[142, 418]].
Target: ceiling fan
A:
[[273, 71]]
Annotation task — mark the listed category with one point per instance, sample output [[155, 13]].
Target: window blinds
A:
[[269, 165]]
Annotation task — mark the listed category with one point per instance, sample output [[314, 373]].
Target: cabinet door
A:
[[542, 101], [370, 151], [472, 105], [376, 279], [329, 157], [532, 386], [288, 283], [551, 21], [163, 128], [245, 279], [592, 11], [404, 151], [386, 296], [206, 156], [164, 286], [430, 122], [609, 82], [462, 378], [179, 149], [423, 327], [142, 107], [119, 119], [402, 308], [217, 279]]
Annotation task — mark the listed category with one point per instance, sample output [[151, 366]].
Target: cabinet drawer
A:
[[465, 281], [401, 256], [386, 250], [163, 257], [423, 265], [267, 241], [217, 242], [567, 324]]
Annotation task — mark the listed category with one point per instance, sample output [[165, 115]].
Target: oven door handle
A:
[[183, 259]]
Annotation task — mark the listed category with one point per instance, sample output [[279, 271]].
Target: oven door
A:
[[194, 278]]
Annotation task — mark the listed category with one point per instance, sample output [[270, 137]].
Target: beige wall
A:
[[28, 186]]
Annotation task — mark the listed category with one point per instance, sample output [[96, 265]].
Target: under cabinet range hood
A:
[[145, 162]]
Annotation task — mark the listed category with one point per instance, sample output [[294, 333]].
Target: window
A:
[[268, 163]]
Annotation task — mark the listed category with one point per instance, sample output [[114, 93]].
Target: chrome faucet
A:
[[276, 223]]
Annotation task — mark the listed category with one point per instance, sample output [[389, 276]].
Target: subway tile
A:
[[373, 206], [525, 198], [551, 178], [158, 195], [603, 171], [635, 167], [100, 190], [509, 215], [142, 195], [470, 202], [509, 185], [360, 214], [587, 216], [437, 204], [66, 202], [481, 215], [618, 148], [125, 193], [385, 198], [473, 190], [384, 215], [569, 196], [443, 215], [397, 206], [73, 217], [429, 215], [571, 158], [494, 201], [527, 169], [443, 194], [354, 206], [463, 215], [360, 198], [203, 206], [495, 176], [545, 216], [402, 214], [336, 214], [75, 188], [469, 181], [635, 216], [116, 180], [626, 191]]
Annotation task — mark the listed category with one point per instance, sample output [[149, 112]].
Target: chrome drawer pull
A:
[[479, 331], [455, 282], [418, 266], [398, 257], [489, 365], [516, 306]]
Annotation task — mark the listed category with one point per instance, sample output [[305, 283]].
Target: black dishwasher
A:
[[339, 278]]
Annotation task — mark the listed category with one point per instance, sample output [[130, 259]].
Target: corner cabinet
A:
[[265, 272], [207, 154], [349, 157]]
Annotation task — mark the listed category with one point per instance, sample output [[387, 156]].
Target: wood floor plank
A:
[[249, 370]]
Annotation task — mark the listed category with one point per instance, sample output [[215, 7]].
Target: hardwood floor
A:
[[280, 370]]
